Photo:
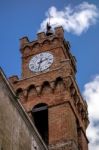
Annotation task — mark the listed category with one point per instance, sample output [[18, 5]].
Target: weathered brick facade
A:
[[53, 93]]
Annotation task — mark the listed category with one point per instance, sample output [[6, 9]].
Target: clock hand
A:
[[40, 64], [44, 59], [40, 61]]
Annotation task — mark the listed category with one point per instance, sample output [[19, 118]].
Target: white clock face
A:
[[41, 62]]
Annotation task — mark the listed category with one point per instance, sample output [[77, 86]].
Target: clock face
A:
[[41, 62]]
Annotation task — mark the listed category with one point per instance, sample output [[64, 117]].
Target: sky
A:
[[80, 20]]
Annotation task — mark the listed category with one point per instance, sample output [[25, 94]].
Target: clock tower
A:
[[49, 93]]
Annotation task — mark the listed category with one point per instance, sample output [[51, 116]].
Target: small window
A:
[[40, 117]]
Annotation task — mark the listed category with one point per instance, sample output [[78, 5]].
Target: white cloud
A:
[[91, 94], [75, 20]]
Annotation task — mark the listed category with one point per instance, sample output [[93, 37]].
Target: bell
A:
[[49, 31]]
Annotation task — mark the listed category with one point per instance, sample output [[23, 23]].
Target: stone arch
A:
[[59, 84], [40, 119], [46, 88], [55, 41], [76, 99], [83, 114], [32, 92], [72, 90], [20, 94], [36, 45], [80, 108], [45, 43], [26, 50]]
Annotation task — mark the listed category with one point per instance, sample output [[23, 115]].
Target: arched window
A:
[[46, 88], [40, 117], [31, 92], [59, 85]]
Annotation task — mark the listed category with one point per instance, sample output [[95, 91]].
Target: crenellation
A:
[[24, 41], [13, 79], [59, 31], [41, 36]]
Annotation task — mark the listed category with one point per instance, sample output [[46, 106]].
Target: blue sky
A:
[[24, 18]]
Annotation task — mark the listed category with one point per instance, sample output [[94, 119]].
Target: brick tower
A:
[[49, 92]]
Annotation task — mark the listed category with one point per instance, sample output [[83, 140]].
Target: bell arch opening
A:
[[40, 118]]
